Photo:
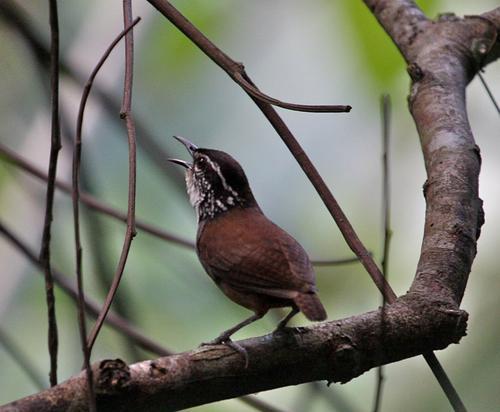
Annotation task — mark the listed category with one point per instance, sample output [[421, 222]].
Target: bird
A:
[[252, 260]]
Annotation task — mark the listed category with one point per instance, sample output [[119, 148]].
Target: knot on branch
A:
[[345, 364], [415, 72], [446, 322], [113, 376]]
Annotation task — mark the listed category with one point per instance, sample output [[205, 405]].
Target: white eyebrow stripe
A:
[[216, 167]]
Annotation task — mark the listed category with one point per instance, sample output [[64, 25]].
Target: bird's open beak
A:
[[191, 147], [183, 163]]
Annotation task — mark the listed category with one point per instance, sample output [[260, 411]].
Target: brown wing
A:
[[250, 253]]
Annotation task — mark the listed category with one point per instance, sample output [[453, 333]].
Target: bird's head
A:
[[215, 181]]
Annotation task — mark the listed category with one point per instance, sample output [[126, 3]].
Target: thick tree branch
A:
[[335, 351], [443, 56]]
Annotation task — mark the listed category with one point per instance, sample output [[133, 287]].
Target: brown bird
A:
[[253, 261]]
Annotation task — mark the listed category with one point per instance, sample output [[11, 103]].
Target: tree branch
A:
[[55, 146], [130, 231], [335, 351], [87, 348]]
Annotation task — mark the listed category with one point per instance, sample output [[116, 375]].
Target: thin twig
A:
[[335, 262], [258, 404], [490, 94], [385, 104], [86, 348], [130, 231], [253, 91], [234, 69], [120, 324], [13, 349], [98, 240], [444, 381], [55, 146]]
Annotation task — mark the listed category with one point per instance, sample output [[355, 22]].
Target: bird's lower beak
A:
[[183, 163]]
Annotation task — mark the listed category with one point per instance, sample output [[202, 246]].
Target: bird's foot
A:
[[219, 340], [226, 340]]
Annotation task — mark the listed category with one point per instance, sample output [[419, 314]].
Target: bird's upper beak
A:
[[191, 148]]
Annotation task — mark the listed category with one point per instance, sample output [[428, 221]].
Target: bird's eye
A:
[[200, 164]]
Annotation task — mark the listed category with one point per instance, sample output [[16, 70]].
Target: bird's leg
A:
[[285, 320], [226, 335]]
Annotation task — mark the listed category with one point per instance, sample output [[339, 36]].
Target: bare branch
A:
[[55, 146], [234, 69], [385, 105], [258, 404], [252, 90], [489, 92], [86, 348], [130, 232], [335, 351]]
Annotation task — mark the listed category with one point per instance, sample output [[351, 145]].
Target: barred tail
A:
[[310, 305]]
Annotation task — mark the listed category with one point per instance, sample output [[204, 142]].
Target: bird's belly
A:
[[257, 302]]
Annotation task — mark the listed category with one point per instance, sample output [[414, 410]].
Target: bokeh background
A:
[[306, 52]]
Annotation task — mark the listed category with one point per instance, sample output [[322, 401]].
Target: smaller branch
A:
[[252, 90], [13, 349], [235, 70], [129, 61], [385, 104], [130, 231], [55, 146], [490, 94], [86, 348], [334, 262], [444, 382], [258, 404]]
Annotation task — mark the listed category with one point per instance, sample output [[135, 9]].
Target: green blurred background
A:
[[306, 52]]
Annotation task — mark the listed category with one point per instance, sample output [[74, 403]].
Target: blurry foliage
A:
[[380, 57]]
